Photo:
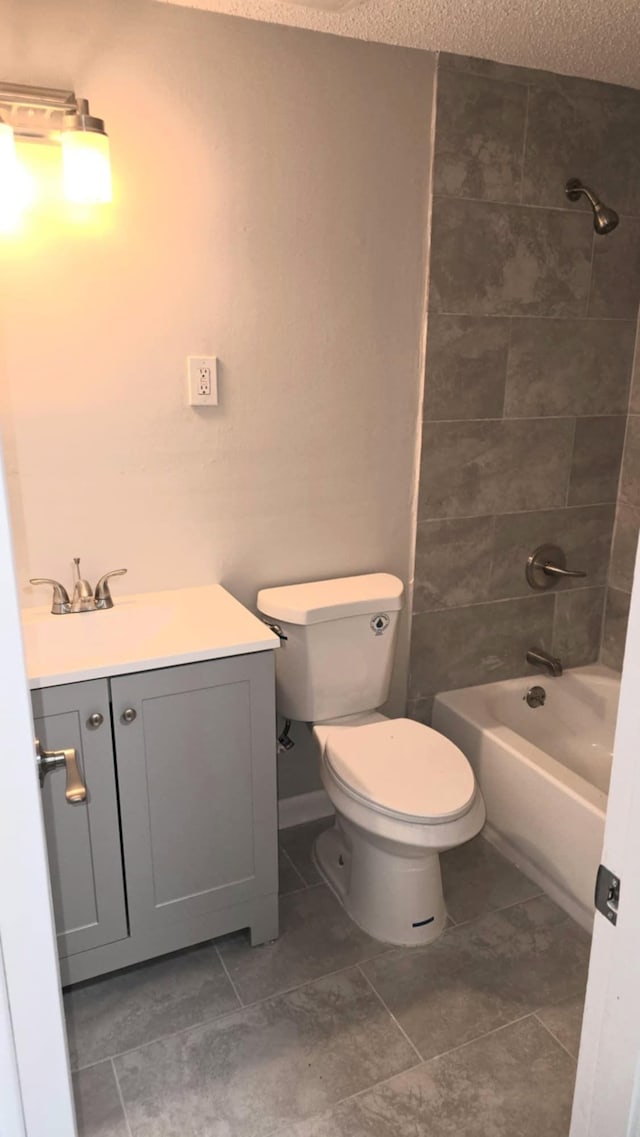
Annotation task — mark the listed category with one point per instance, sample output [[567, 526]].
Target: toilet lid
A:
[[400, 766]]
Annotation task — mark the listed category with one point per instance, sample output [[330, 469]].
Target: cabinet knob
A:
[[95, 720], [129, 715]]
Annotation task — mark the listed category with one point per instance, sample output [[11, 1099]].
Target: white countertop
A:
[[150, 630]]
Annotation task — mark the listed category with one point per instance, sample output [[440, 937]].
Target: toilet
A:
[[402, 792]]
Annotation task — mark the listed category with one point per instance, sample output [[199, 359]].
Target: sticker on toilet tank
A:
[[379, 623]]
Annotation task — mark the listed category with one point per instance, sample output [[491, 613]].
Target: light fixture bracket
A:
[[42, 113]]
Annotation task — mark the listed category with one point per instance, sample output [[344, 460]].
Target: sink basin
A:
[[148, 630]]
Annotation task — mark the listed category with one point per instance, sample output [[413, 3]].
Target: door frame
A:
[[35, 1083], [607, 1094]]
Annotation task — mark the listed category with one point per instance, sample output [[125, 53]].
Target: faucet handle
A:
[[103, 597], [60, 603]]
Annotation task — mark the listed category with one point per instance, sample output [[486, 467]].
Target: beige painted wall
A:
[[271, 201]]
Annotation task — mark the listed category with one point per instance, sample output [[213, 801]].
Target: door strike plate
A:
[[607, 894]]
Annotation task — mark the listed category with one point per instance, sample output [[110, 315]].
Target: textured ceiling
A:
[[569, 36]]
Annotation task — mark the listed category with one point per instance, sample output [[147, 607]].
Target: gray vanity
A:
[[168, 702]]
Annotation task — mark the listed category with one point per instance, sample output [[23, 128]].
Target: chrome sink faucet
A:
[[542, 659], [84, 599]]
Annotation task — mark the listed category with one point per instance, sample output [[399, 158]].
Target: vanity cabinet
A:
[[83, 840], [177, 841]]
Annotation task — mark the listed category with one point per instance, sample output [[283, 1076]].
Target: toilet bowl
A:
[[403, 794]]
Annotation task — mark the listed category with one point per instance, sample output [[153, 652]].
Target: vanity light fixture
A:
[[15, 188], [46, 114]]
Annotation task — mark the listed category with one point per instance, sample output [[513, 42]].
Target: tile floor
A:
[[327, 1033]]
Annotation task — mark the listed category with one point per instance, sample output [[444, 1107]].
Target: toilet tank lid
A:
[[321, 600]]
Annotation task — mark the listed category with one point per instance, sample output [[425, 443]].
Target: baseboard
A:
[[303, 807]]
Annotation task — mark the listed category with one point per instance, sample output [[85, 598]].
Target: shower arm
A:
[[575, 188]]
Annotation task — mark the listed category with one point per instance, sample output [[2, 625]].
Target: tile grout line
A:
[[517, 512], [228, 1014], [515, 204], [295, 869], [535, 316], [525, 139], [523, 418], [554, 1036], [591, 265], [402, 1073], [504, 907], [378, 996], [120, 1096], [228, 975]]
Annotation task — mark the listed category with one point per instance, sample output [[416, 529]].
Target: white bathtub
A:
[[543, 772]]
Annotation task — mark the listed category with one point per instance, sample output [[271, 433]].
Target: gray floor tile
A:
[[482, 975], [564, 1020], [132, 1007], [316, 938], [99, 1111], [266, 1066], [298, 843], [514, 1083], [288, 875], [476, 879]]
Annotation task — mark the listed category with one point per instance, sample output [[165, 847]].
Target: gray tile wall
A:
[[625, 536], [531, 331]]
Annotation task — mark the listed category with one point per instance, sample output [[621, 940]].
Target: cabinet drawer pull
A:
[[48, 760], [95, 720], [129, 715]]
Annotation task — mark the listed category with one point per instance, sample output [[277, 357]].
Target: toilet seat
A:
[[401, 768]]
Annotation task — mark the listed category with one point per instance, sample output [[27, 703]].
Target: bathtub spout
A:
[[545, 661]]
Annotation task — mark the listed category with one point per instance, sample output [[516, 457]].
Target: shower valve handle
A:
[[557, 570], [546, 565]]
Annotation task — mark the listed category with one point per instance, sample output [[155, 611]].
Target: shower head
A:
[[604, 219]]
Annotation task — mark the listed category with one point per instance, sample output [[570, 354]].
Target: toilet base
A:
[[393, 892]]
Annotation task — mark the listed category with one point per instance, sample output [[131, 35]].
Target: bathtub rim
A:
[[469, 704]]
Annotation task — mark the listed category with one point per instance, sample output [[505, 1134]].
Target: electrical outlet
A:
[[202, 380]]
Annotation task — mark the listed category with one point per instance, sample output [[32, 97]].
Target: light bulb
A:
[[16, 190], [86, 167]]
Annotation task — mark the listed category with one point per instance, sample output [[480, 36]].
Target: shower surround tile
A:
[[478, 149], [616, 616], [453, 562], [569, 367], [501, 260], [615, 281], [584, 534], [466, 365], [625, 547], [577, 628], [497, 466], [597, 454], [458, 647], [578, 134], [510, 73], [630, 477], [532, 321]]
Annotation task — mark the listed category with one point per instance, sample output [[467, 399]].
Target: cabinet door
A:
[[196, 771], [83, 840]]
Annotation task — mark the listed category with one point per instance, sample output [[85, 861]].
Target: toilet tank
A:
[[340, 640]]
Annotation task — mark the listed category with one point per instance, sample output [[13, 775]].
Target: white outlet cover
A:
[[195, 364]]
